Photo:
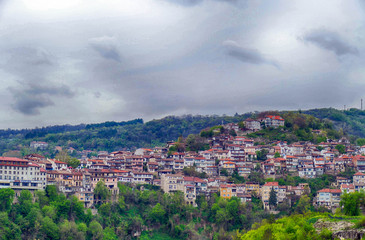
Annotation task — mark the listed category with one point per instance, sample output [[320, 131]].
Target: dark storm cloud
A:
[[106, 47], [331, 41], [247, 55], [35, 89], [30, 99], [28, 104], [61, 90]]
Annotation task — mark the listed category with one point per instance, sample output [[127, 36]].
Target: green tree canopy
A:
[[6, 198], [101, 191], [351, 202], [341, 148], [273, 198]]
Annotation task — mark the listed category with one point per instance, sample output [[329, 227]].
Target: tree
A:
[[360, 141], [6, 198], [277, 155], [195, 143], [64, 157], [303, 204], [42, 198], [25, 202], [95, 230], [232, 132], [49, 229], [109, 234], [272, 198], [69, 230], [51, 193], [241, 125], [350, 203], [101, 192], [73, 162], [261, 155], [157, 214], [8, 230], [341, 148]]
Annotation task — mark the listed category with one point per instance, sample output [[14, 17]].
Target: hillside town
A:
[[228, 155]]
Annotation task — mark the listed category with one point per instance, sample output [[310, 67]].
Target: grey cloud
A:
[[186, 3], [106, 47], [247, 55], [33, 68], [30, 104], [62, 90], [30, 99], [97, 94], [191, 3], [331, 41], [29, 63], [328, 90]]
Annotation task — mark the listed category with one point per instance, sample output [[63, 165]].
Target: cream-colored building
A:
[[172, 182], [20, 174]]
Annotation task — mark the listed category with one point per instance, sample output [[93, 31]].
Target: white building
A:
[[20, 174], [253, 125]]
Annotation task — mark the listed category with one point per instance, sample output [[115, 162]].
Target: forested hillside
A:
[[352, 121], [111, 136]]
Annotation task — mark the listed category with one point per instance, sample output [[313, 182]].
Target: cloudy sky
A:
[[82, 61]]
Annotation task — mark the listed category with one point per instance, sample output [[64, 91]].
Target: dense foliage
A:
[[351, 121], [111, 136], [293, 227], [145, 214], [299, 127]]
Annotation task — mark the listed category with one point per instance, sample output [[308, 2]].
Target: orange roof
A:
[[271, 184], [327, 190], [359, 174], [228, 162]]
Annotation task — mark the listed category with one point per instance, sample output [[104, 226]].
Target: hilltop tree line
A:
[[112, 136]]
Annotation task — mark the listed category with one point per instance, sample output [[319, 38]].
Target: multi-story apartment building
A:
[[265, 192], [20, 174], [172, 182], [329, 197], [274, 121]]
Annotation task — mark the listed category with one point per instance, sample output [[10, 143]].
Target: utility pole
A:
[[361, 104]]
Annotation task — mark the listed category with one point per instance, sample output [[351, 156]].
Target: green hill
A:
[[111, 136]]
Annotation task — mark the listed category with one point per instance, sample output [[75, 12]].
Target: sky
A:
[[82, 61]]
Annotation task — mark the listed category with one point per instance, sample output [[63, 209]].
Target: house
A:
[[229, 166], [329, 198], [38, 145], [227, 190], [142, 177], [252, 125], [244, 197], [190, 194], [172, 182], [265, 192], [349, 188], [274, 121], [252, 187], [359, 178], [59, 165], [20, 174], [308, 171]]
